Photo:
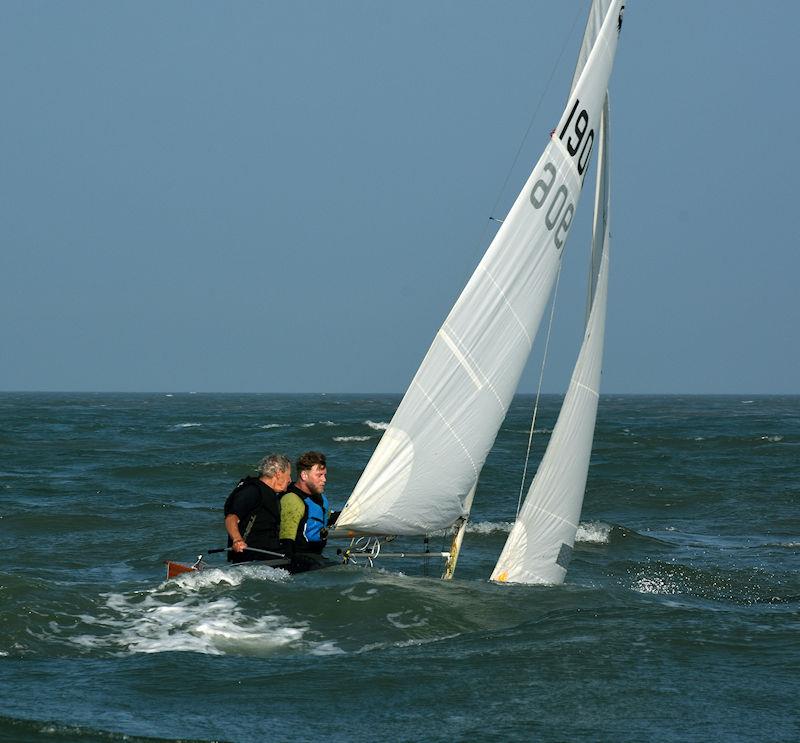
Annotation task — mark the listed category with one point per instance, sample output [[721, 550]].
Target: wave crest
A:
[[376, 426]]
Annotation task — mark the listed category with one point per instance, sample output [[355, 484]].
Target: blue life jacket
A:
[[316, 519]]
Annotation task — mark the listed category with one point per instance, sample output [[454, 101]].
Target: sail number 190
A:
[[561, 208]]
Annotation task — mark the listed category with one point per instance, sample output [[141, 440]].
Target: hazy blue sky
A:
[[289, 196]]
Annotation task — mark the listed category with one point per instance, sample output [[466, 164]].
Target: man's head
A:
[[276, 471], [312, 472]]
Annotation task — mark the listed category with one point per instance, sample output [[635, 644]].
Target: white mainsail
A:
[[594, 25], [540, 544], [427, 463]]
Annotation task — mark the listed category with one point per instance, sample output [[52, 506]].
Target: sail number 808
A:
[[559, 213]]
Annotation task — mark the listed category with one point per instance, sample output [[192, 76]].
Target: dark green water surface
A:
[[679, 620]]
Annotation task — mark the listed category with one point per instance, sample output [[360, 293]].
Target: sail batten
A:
[[478, 378], [425, 468]]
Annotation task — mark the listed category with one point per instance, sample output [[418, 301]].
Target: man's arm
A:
[[232, 527]]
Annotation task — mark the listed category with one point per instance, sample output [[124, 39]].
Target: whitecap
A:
[[655, 585], [376, 426], [593, 532], [175, 617], [232, 576], [327, 648], [487, 527], [328, 423], [772, 439], [351, 438], [414, 642], [274, 425], [187, 425]]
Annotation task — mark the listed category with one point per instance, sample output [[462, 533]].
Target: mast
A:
[[458, 537]]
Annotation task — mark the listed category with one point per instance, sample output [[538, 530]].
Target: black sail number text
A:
[[578, 140]]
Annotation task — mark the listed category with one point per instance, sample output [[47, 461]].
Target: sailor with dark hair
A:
[[306, 514], [252, 510]]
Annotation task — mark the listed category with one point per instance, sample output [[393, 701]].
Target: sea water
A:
[[679, 619]]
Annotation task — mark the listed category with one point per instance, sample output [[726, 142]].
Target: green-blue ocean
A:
[[679, 619]]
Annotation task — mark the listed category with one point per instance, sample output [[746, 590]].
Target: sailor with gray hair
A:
[[272, 464], [252, 511]]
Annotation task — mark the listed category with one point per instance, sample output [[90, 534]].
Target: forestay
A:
[[432, 453]]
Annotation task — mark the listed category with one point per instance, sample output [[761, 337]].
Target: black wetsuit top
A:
[[258, 507]]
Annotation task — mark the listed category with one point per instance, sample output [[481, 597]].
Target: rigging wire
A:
[[558, 275], [539, 389], [536, 110], [482, 240]]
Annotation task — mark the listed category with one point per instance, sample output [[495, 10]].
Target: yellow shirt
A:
[[292, 512]]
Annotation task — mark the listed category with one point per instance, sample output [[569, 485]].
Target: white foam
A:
[[328, 423], [655, 585], [351, 438], [414, 642], [487, 527], [593, 532], [187, 425], [327, 648], [274, 425], [369, 594], [377, 426], [407, 619], [772, 439], [179, 617], [189, 582]]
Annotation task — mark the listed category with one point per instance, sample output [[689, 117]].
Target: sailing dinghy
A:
[[449, 417]]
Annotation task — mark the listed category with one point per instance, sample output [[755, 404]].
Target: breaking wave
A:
[[181, 616], [377, 426], [594, 532], [489, 527], [590, 532]]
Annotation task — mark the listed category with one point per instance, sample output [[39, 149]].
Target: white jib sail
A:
[[429, 458], [540, 544]]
